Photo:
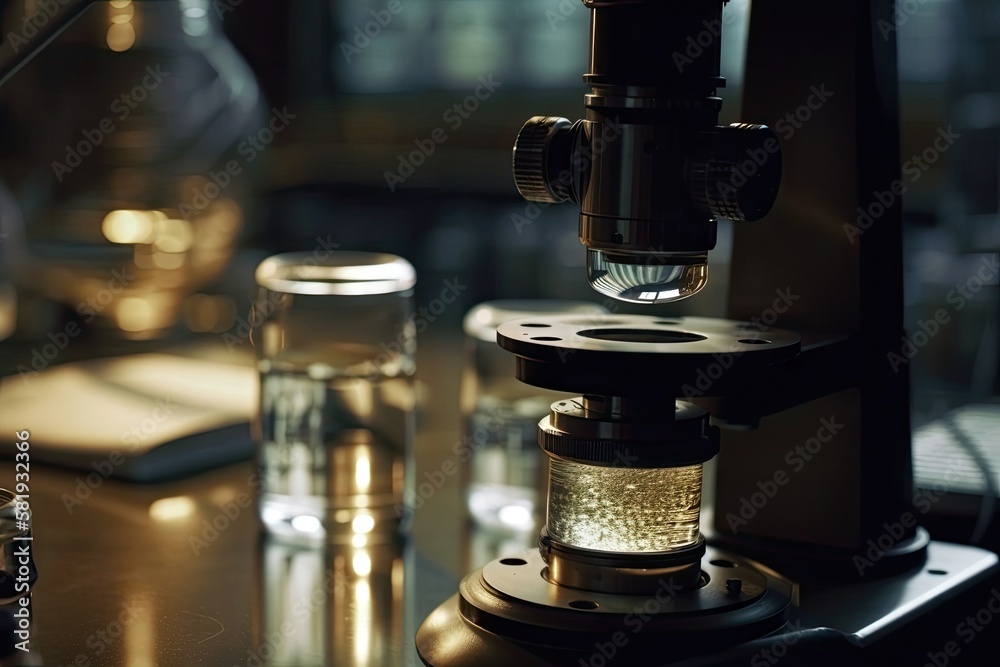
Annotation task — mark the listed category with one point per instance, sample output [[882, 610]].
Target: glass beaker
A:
[[335, 342]]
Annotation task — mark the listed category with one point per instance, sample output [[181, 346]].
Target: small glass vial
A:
[[506, 475]]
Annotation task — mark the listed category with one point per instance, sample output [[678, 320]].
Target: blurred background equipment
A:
[[118, 141]]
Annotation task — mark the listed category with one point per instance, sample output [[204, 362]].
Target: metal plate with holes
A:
[[869, 610], [625, 355], [523, 577]]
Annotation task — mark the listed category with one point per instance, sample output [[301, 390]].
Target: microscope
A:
[[815, 553]]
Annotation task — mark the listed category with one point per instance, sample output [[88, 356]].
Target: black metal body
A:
[[644, 117], [649, 164], [841, 153]]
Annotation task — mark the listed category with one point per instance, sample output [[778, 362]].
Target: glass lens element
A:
[[630, 510], [655, 279]]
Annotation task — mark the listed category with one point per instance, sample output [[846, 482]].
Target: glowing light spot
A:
[[362, 524], [361, 564], [172, 509], [306, 524], [271, 515], [514, 515], [135, 314], [128, 226], [121, 36], [362, 475]]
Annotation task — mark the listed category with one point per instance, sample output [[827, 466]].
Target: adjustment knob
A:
[[542, 154], [735, 172]]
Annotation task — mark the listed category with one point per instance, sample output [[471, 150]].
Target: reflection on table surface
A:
[[137, 578], [340, 605], [179, 573]]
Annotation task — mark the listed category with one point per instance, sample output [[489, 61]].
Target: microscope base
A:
[[509, 611], [884, 621], [484, 627], [868, 611]]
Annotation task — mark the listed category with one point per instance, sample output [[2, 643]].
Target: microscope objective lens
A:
[[646, 279]]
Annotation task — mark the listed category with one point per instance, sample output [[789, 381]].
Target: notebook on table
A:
[[144, 417]]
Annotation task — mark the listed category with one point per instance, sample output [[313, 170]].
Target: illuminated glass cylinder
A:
[[628, 510]]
